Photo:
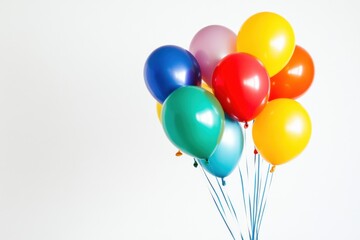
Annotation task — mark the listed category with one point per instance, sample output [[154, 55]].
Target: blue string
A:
[[234, 214], [233, 209], [249, 199], [217, 196], [262, 214], [222, 192], [262, 197], [254, 198], [258, 187], [243, 196], [222, 216]]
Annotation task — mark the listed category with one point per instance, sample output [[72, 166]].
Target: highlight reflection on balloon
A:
[[169, 68], [241, 84], [193, 120]]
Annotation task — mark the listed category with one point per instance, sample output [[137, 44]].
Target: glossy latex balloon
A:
[[270, 38], [281, 131], [193, 120], [241, 84], [228, 153], [295, 78], [209, 46], [168, 68]]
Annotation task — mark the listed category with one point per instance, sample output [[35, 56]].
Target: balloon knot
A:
[[178, 153], [272, 169], [255, 151], [246, 125], [223, 181], [195, 164]]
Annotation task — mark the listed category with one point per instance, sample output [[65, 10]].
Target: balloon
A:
[[193, 120], [168, 68], [295, 78], [158, 110], [241, 84], [206, 87], [270, 38], [209, 46], [227, 154], [281, 131]]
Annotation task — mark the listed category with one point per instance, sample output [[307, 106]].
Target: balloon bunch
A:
[[225, 79]]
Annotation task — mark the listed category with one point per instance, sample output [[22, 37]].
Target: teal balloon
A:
[[228, 153], [193, 120]]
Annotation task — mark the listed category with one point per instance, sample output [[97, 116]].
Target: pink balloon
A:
[[209, 46]]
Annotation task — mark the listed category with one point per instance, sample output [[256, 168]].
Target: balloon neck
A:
[[178, 153], [223, 182], [246, 125], [195, 164], [273, 169], [255, 151]]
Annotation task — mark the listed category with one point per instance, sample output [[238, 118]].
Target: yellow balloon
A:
[[281, 131], [206, 87], [269, 37], [158, 110]]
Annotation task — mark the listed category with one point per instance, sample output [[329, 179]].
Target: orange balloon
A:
[[295, 78]]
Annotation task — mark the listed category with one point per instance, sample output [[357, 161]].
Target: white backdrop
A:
[[83, 156]]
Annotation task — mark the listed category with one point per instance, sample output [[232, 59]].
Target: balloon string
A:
[[229, 204], [222, 216], [259, 189], [255, 195], [222, 192], [219, 204], [233, 209], [262, 203], [212, 187], [248, 181], [255, 180], [242, 189], [243, 197], [262, 214]]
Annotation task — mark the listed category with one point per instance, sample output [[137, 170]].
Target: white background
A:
[[83, 156]]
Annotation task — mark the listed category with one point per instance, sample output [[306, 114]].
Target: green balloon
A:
[[193, 120]]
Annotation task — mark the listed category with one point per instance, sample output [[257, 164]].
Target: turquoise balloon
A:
[[193, 120], [228, 153]]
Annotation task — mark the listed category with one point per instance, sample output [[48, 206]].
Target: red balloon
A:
[[295, 78], [241, 84]]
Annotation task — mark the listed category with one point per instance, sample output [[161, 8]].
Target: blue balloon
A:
[[228, 153], [168, 68]]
